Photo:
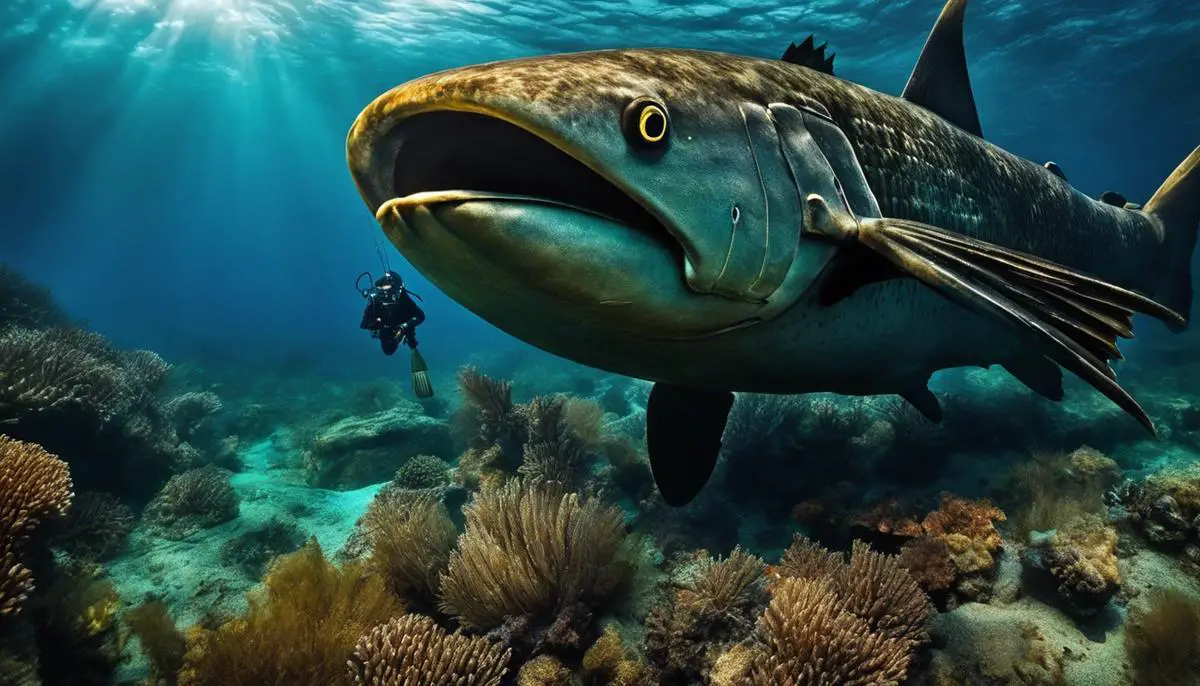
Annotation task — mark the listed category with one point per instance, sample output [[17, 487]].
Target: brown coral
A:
[[34, 486], [530, 550], [58, 369], [414, 651], [716, 607], [810, 637], [545, 670], [967, 528], [928, 561], [197, 499], [301, 628], [411, 539], [95, 528]]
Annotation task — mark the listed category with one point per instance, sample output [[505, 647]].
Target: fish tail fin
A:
[[1176, 206]]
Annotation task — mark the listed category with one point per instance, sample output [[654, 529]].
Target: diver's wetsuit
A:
[[386, 313]]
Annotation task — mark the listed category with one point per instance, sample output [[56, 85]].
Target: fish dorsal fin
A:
[[806, 55], [940, 82]]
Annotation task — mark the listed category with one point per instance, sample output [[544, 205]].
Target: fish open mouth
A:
[[453, 157]]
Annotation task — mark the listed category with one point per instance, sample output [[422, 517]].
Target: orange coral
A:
[[967, 529], [34, 485], [888, 518]]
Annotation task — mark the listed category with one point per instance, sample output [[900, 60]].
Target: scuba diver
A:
[[392, 316]]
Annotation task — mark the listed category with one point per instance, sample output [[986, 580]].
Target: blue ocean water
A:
[[175, 174]]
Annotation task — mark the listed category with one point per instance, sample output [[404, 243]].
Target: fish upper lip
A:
[[385, 135]]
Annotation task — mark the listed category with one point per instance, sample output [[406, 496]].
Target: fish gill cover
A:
[[180, 346]]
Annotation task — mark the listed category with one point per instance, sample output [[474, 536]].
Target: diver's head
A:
[[641, 195], [390, 282]]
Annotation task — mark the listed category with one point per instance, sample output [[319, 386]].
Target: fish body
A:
[[719, 223]]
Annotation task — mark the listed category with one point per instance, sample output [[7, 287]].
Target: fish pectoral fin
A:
[[1074, 319], [807, 55], [1039, 374], [940, 82], [924, 401], [683, 436]]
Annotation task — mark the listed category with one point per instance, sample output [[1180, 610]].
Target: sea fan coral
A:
[[810, 637], [34, 486], [552, 451], [414, 651], [490, 413], [529, 550], [301, 629], [197, 499]]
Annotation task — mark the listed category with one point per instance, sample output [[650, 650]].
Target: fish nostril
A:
[[735, 214]]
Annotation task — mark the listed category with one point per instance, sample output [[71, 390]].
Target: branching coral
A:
[[95, 528], [197, 499], [34, 486], [413, 651], [529, 550], [422, 471], [60, 369], [810, 637], [715, 607], [189, 411], [301, 629], [411, 539]]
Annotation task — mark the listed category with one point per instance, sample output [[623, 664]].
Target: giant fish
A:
[[718, 223]]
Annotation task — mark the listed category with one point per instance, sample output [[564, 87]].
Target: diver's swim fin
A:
[[683, 436], [420, 376], [1075, 319]]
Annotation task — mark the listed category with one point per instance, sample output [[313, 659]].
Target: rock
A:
[[1075, 567], [360, 451]]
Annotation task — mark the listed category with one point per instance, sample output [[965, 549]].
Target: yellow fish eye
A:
[[646, 122]]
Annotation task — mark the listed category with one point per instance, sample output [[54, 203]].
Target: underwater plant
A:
[[161, 641], [488, 416], [1162, 639], [34, 486], [197, 499], [412, 650], [532, 552], [1055, 488], [552, 452], [76, 629], [300, 628]]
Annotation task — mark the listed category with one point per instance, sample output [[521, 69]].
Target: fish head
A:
[[610, 196]]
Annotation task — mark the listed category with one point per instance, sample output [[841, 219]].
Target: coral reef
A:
[[608, 662], [26, 304], [34, 486], [358, 451], [197, 499], [423, 471], [1079, 561], [715, 605], [536, 559], [96, 527], [411, 537], [1165, 507], [412, 650], [301, 629]]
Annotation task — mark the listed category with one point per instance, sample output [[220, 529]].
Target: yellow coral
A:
[[101, 608], [1097, 544], [544, 670], [968, 555], [606, 653], [733, 667]]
